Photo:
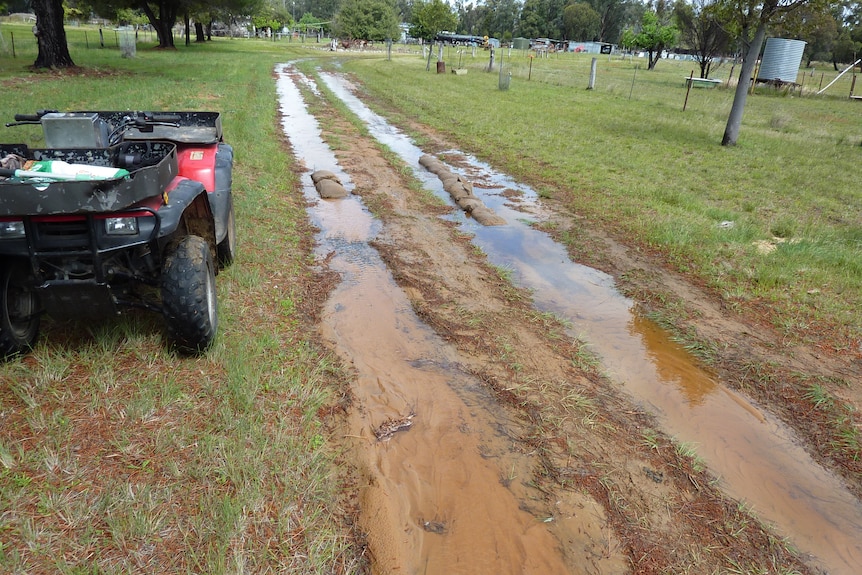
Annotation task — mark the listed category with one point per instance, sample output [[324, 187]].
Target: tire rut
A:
[[617, 495]]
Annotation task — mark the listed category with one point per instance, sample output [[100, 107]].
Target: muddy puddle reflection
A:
[[755, 456], [439, 495]]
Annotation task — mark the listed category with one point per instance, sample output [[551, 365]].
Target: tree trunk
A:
[[51, 35], [187, 28], [199, 32], [164, 22], [165, 33], [654, 56], [734, 121]]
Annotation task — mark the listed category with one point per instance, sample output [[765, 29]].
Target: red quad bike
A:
[[151, 235]]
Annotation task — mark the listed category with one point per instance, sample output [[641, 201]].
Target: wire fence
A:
[[18, 41]]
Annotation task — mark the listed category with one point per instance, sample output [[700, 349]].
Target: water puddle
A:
[[440, 498], [755, 455]]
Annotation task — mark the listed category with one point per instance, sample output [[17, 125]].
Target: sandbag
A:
[[330, 189], [468, 185], [427, 160], [461, 190], [457, 183], [432, 164], [457, 190], [321, 175], [470, 204], [486, 217]]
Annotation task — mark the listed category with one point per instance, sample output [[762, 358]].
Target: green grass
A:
[[626, 156], [116, 455]]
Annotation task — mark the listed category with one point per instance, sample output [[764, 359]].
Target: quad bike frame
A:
[[153, 240]]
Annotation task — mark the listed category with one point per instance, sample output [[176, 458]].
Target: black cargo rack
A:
[[194, 127], [153, 165]]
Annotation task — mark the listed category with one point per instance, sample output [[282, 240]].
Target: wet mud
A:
[[757, 458], [445, 491]]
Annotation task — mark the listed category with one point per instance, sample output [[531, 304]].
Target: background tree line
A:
[[707, 29]]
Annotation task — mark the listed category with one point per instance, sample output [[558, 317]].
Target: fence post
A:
[[688, 90]]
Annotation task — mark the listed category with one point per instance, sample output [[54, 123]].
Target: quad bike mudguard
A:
[[213, 167]]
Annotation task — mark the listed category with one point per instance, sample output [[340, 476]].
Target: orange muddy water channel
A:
[[438, 494], [436, 503]]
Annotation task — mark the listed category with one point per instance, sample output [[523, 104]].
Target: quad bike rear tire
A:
[[189, 295], [19, 319]]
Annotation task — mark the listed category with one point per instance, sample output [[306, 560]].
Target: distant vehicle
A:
[[466, 40], [458, 39]]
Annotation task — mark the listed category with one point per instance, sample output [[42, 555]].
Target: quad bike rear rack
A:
[[152, 166]]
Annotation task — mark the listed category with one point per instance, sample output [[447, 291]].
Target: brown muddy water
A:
[[437, 499], [756, 457]]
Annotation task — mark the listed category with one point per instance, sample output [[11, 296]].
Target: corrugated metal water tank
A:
[[781, 60]]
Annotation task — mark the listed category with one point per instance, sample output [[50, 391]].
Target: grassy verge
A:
[[117, 456], [773, 225]]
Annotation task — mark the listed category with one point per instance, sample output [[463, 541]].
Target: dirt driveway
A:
[[589, 465]]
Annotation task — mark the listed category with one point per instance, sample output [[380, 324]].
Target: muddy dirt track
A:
[[485, 438]]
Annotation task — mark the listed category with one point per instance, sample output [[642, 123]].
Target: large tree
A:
[[273, 18], [234, 11], [846, 49], [432, 17], [471, 18], [323, 9], [501, 17], [367, 20], [163, 14], [653, 37], [532, 22], [702, 32], [581, 22], [615, 15], [818, 28], [51, 35], [542, 19]]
